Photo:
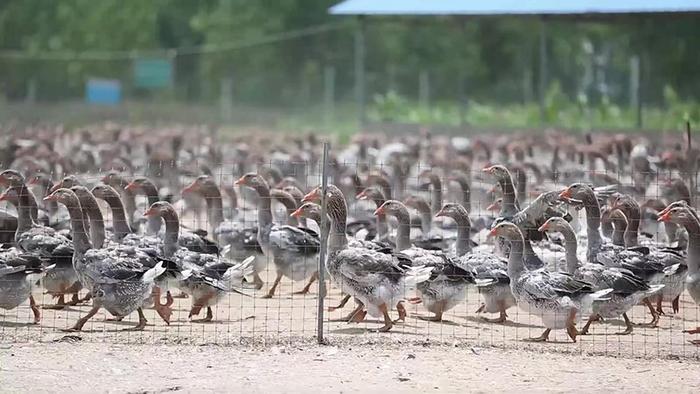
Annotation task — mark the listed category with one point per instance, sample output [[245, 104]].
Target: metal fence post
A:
[[324, 246]]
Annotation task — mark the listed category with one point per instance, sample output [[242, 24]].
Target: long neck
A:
[[692, 226], [570, 245], [215, 207], [466, 194], [618, 234], [463, 244], [81, 242], [337, 214], [426, 221], [403, 232], [595, 241], [119, 222], [172, 232], [24, 215], [129, 207], [153, 222], [264, 216], [436, 197], [31, 201], [97, 224], [516, 266], [632, 234], [382, 226], [510, 203]]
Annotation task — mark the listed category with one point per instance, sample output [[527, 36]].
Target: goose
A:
[[557, 297], [293, 250], [377, 278], [627, 288]]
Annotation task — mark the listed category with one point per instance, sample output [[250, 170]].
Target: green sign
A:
[[153, 73]]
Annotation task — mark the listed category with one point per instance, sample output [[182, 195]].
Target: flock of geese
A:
[[571, 233]]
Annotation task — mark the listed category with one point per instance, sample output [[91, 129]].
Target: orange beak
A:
[[192, 187], [664, 217], [664, 211], [493, 207], [296, 213], [56, 187], [3, 197], [566, 193], [543, 227], [361, 195], [379, 211], [149, 212], [487, 170], [440, 213], [312, 196], [131, 186], [104, 179], [50, 197], [33, 181], [493, 232], [240, 181]]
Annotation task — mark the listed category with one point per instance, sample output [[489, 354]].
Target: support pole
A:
[[328, 95], [324, 246], [543, 67], [360, 82]]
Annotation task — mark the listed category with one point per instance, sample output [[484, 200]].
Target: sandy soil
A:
[[269, 345], [305, 367], [241, 319]]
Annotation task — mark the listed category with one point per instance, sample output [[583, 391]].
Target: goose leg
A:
[[654, 316], [415, 300], [481, 308], [257, 281], [693, 331], [695, 342], [141, 324], [502, 313], [628, 324], [78, 326], [571, 326], [437, 317], [35, 310], [676, 304], [198, 307], [75, 299], [402, 312], [594, 317], [388, 323], [357, 315], [342, 303], [271, 292], [659, 308], [542, 338], [164, 310], [60, 303], [306, 288]]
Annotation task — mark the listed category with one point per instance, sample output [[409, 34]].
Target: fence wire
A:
[[421, 188]]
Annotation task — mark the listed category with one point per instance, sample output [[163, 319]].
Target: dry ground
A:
[[260, 345], [305, 367], [253, 319]]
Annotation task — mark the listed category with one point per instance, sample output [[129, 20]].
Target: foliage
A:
[[489, 63]]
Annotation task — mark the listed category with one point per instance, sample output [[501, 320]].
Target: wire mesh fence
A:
[[390, 197]]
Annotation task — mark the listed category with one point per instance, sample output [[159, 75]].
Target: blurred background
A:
[[292, 65]]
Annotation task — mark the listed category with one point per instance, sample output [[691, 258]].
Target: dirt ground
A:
[[305, 367], [269, 345]]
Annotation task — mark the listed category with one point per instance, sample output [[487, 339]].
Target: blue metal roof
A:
[[512, 7]]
